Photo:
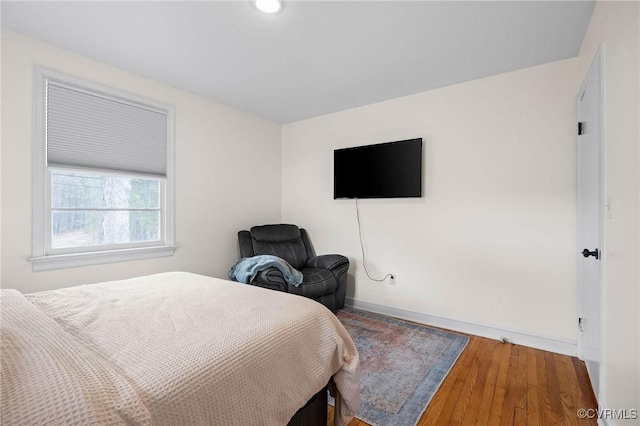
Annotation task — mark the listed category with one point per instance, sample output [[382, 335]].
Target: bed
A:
[[173, 348]]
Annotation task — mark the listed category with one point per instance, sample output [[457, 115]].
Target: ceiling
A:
[[314, 57]]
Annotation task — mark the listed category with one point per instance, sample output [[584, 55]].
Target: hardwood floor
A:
[[495, 383]]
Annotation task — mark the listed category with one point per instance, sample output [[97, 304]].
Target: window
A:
[[102, 174], [91, 209]]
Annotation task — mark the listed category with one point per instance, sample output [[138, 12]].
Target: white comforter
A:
[[173, 348]]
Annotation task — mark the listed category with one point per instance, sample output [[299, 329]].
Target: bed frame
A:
[[314, 413]]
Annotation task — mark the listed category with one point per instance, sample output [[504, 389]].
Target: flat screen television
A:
[[385, 170]]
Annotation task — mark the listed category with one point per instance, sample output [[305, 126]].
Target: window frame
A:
[[44, 256]]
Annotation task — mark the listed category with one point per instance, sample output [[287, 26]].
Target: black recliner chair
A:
[[324, 277]]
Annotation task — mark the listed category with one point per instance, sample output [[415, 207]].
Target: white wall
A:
[[617, 25], [1, 37], [227, 171], [492, 240]]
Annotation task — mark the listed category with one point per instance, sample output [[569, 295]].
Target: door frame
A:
[[598, 60]]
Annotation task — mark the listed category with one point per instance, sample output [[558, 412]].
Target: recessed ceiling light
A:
[[269, 6]]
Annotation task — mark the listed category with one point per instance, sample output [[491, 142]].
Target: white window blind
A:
[[97, 131]]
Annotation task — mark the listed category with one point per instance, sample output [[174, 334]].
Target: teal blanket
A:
[[247, 268]]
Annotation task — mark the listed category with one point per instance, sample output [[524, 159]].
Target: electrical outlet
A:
[[392, 279]]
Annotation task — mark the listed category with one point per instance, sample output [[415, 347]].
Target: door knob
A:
[[587, 253]]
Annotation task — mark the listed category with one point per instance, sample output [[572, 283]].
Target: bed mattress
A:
[[173, 348]]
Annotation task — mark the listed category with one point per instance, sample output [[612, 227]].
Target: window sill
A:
[[60, 261]]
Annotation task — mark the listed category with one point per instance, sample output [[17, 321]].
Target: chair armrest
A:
[[328, 261], [270, 278], [244, 241]]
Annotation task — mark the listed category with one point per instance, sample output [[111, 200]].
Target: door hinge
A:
[[580, 324], [580, 128]]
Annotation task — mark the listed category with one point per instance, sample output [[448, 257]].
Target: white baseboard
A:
[[551, 344]]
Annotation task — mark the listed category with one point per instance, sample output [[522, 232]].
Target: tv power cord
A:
[[364, 262]]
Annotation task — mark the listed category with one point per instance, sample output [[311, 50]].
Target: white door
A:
[[590, 220]]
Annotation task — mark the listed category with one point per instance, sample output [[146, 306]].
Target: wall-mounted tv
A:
[[385, 170]]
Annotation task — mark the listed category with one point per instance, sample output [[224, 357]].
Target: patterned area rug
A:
[[402, 364]]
